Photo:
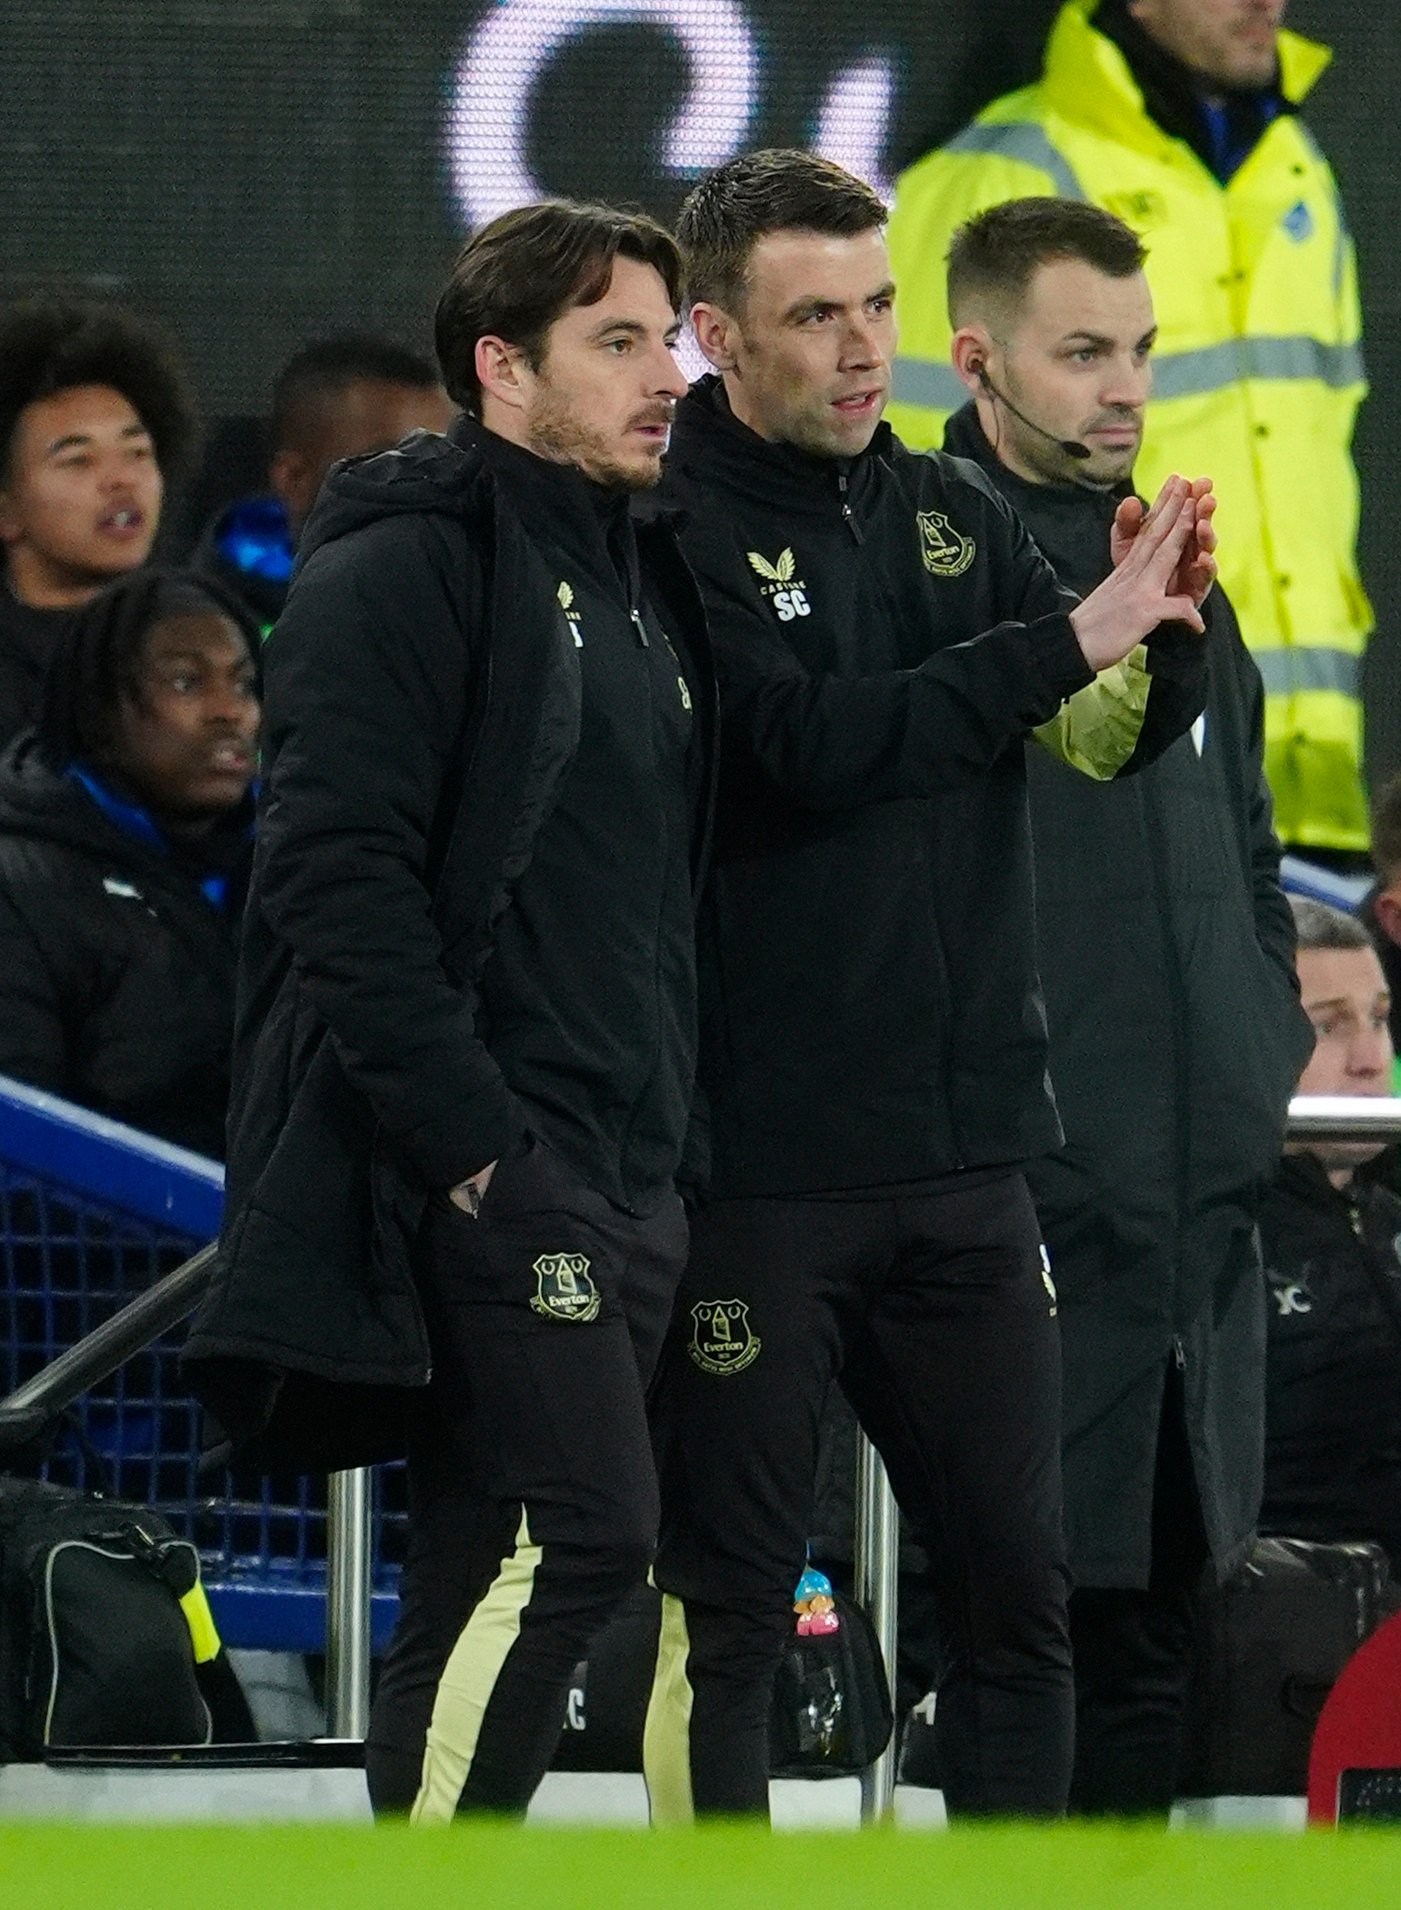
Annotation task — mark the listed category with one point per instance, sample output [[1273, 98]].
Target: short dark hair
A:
[[1386, 830], [995, 256], [98, 661], [49, 345], [778, 189], [323, 368], [1320, 925], [519, 274]]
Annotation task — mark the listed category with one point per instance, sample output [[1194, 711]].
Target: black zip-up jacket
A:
[[116, 970], [1166, 951], [587, 1004], [459, 635], [886, 634], [1333, 1412]]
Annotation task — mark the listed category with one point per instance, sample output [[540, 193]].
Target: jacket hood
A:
[[1088, 79], [42, 803], [429, 472]]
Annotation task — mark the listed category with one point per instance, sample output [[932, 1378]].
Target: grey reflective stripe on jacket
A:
[[1024, 140], [1309, 666], [1188, 373], [1182, 374]]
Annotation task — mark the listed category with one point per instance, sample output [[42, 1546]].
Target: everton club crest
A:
[[722, 1340], [946, 552], [564, 1288]]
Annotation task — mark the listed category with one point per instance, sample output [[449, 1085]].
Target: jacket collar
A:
[[585, 523], [708, 437], [72, 806], [1304, 1175], [1088, 79], [207, 862], [964, 437]]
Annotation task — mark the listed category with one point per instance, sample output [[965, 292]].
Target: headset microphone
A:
[[1071, 446]]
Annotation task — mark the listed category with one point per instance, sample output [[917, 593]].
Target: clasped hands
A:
[[1164, 561]]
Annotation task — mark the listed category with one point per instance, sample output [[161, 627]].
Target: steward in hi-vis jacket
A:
[[1258, 368]]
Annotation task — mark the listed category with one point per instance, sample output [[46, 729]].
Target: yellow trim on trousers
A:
[[666, 1739], [468, 1680]]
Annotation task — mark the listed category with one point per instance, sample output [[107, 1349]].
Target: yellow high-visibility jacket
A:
[[1257, 371]]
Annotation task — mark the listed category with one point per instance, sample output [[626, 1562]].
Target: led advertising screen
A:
[[260, 171]]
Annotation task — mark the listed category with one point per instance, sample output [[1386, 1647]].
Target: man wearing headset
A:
[[1159, 916]]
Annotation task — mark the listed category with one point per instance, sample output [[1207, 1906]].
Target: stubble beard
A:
[[558, 436]]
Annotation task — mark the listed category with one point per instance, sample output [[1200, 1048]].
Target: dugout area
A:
[[251, 1867]]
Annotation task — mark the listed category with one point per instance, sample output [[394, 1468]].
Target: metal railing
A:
[[172, 1298]]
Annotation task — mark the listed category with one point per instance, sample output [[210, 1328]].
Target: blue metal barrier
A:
[[1298, 876], [92, 1212]]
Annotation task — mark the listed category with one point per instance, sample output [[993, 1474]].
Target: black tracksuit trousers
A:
[[1132, 1649], [532, 1490], [934, 1313]]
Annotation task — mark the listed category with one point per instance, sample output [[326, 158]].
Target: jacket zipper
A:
[[654, 1063], [959, 1160], [1181, 1080], [848, 515]]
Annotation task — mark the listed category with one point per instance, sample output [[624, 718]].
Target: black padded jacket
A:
[[425, 691]]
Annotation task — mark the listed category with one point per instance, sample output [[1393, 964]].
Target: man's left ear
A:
[[1386, 907]]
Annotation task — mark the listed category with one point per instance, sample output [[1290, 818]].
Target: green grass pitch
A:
[[275, 1867]]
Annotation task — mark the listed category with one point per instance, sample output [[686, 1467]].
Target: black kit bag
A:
[[104, 1626], [831, 1713], [1270, 1643]]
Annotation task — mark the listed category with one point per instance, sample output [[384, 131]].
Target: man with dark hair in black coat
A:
[[873, 1056], [467, 1032], [95, 414], [1165, 950], [125, 840]]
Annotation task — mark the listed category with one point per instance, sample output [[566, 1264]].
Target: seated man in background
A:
[[1333, 1406], [341, 397], [125, 834], [95, 412]]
